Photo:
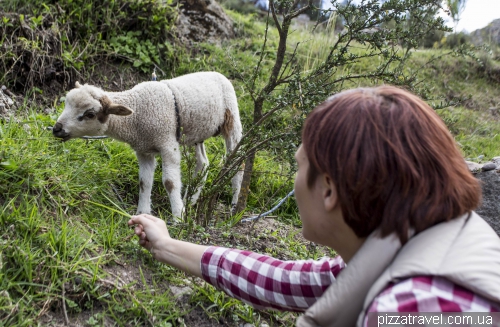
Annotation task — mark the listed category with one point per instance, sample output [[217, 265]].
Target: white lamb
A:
[[151, 117]]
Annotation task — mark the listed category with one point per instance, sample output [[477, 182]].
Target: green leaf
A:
[[8, 165]]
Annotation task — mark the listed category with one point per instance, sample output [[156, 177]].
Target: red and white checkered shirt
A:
[[267, 283]]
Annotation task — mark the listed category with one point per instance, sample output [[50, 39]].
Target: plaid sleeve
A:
[[429, 294], [267, 283]]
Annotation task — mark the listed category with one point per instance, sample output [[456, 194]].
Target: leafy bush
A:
[[57, 40], [456, 40], [241, 6], [107, 18], [432, 39], [142, 52]]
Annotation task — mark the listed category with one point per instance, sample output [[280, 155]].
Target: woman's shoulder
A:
[[430, 294]]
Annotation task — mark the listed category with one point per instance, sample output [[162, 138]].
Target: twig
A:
[[84, 49], [104, 281], [117, 194], [117, 277], [66, 319], [44, 308], [14, 310], [160, 69]]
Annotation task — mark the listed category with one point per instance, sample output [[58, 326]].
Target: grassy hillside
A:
[[66, 254]]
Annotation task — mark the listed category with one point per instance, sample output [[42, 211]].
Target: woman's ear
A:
[[329, 193]]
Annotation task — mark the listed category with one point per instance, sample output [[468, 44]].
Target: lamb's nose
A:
[[58, 131], [57, 128]]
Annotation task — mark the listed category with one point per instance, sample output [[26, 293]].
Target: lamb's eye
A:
[[90, 115]]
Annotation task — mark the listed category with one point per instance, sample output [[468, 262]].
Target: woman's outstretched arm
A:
[[259, 280]]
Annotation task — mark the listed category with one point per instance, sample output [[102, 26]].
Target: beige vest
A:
[[465, 250]]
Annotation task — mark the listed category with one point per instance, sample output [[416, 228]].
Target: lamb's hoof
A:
[[233, 209]]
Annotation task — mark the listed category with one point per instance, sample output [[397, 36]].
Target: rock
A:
[[490, 207], [49, 111], [474, 167], [496, 160], [180, 291], [7, 96], [5, 299], [489, 166], [203, 21], [490, 33], [6, 101]]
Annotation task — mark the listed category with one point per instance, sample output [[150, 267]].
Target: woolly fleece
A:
[[207, 106]]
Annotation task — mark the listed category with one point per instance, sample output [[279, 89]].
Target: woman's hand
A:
[[153, 235], [152, 231]]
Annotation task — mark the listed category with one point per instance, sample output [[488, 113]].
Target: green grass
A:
[[64, 206], [54, 236], [63, 213]]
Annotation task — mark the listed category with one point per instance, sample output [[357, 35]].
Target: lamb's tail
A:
[[228, 125]]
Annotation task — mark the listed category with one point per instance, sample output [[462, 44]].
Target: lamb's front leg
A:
[[171, 177], [147, 166]]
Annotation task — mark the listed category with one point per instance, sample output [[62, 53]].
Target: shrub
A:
[[432, 39], [456, 40], [241, 6], [56, 40]]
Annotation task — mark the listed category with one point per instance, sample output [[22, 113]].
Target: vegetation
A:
[[66, 254], [387, 32], [45, 41], [455, 8]]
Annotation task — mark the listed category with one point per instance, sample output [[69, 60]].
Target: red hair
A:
[[392, 159]]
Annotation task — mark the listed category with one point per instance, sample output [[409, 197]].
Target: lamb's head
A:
[[86, 113]]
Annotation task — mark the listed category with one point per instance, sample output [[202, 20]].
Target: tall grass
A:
[[314, 41]]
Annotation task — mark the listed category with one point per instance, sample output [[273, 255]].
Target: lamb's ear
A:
[[110, 108], [119, 110], [77, 85]]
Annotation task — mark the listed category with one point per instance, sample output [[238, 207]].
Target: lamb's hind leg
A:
[[201, 165], [171, 177], [147, 166], [236, 186], [232, 140]]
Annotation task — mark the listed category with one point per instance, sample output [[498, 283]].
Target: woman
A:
[[381, 182]]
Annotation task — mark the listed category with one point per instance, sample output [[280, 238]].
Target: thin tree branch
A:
[[256, 71], [300, 11], [271, 5], [288, 62]]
